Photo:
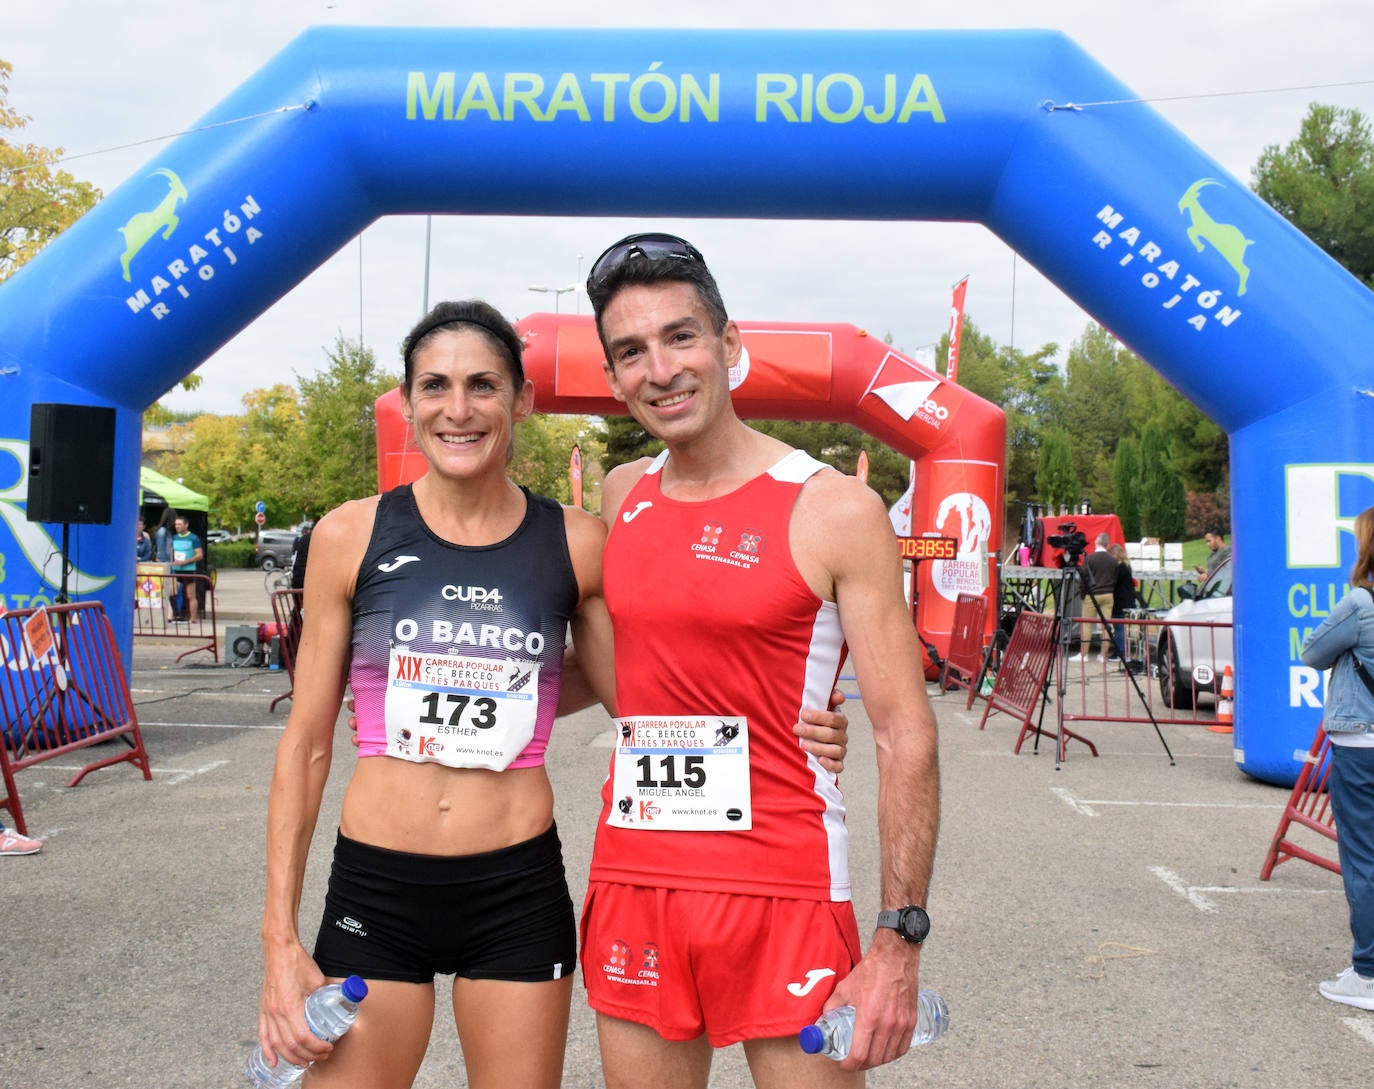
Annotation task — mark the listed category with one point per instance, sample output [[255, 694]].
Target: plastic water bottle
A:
[[833, 1034], [330, 1012]]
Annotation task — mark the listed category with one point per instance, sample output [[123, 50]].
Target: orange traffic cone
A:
[[1226, 704]]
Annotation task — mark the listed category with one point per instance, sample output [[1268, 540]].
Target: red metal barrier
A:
[[963, 665], [1309, 806], [1101, 691], [286, 608], [163, 608], [62, 688], [1021, 680]]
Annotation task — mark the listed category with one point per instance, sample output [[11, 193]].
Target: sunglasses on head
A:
[[651, 245]]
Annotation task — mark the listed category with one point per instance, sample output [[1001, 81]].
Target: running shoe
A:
[[12, 843], [1350, 989]]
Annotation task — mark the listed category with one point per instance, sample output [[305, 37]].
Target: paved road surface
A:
[[1098, 925]]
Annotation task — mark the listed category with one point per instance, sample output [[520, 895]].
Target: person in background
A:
[[162, 536], [1344, 644], [719, 876], [1098, 583], [1123, 599], [299, 555], [187, 552], [143, 544], [1218, 551], [162, 553]]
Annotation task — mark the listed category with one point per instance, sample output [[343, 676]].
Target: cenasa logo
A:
[[163, 218]]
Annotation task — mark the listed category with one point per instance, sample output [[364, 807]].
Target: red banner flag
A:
[[575, 474], [956, 326], [861, 470]]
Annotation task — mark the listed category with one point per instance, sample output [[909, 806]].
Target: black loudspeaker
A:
[[71, 463]]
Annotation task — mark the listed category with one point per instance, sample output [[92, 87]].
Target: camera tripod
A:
[[1067, 595]]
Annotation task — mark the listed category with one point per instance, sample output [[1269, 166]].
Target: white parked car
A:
[[1191, 661]]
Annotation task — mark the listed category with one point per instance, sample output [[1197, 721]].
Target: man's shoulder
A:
[[617, 484], [829, 499], [833, 488]]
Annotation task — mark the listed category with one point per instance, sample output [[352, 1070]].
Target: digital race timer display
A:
[[928, 548]]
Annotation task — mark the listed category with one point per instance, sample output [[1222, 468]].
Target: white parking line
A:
[[1085, 805], [1197, 895], [183, 776], [177, 775], [218, 725], [1362, 1027], [208, 693], [1182, 888]]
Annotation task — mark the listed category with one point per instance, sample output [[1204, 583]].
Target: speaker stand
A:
[[62, 598]]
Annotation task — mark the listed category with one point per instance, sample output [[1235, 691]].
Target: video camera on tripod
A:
[[1072, 541]]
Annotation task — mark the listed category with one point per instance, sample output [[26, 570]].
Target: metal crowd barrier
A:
[[163, 609], [1092, 689], [63, 688], [1101, 691], [1309, 806], [1023, 681], [963, 665]]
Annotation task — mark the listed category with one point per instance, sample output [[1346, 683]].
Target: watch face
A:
[[913, 924]]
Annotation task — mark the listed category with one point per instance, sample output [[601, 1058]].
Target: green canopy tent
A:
[[162, 491], [157, 493]]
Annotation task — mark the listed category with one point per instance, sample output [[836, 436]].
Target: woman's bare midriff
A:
[[431, 809]]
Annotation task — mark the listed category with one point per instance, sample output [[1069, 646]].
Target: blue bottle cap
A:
[[355, 988], [812, 1039]]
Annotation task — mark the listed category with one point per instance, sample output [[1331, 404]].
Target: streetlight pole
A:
[[556, 292]]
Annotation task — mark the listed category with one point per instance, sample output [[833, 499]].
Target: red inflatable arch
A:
[[808, 372]]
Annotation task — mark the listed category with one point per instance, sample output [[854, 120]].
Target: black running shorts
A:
[[503, 914]]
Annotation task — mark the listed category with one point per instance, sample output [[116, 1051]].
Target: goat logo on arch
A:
[[162, 217], [1226, 238]]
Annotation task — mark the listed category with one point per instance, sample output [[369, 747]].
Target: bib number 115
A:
[[693, 772]]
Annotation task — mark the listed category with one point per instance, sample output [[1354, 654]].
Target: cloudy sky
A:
[[108, 82]]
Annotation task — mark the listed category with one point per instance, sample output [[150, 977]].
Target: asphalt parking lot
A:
[[1098, 924]]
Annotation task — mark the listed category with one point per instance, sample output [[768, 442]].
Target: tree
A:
[[1323, 183], [1055, 481], [624, 440], [543, 447], [238, 460], [37, 202], [1027, 387], [1126, 487], [1163, 505], [838, 445], [1094, 406], [338, 460]]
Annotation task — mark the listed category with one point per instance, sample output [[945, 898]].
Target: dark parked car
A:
[[274, 548]]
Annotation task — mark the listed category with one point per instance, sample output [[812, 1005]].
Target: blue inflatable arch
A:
[[1249, 320]]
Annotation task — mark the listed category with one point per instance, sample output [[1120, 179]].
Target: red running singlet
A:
[[712, 618]]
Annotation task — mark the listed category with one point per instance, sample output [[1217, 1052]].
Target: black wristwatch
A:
[[911, 923]]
